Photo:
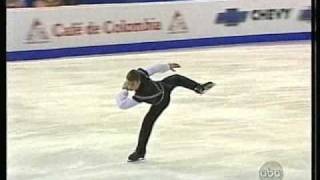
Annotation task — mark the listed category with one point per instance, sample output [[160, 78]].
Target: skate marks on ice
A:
[[63, 122]]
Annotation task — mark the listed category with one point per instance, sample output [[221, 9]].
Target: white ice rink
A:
[[63, 123]]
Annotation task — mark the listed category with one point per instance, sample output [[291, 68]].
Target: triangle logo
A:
[[178, 24], [37, 33]]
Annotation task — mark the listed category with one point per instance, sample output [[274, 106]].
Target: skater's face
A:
[[133, 85]]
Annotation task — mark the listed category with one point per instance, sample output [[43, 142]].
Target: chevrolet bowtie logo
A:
[[231, 17], [305, 14]]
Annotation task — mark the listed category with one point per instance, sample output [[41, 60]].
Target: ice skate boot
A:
[[135, 156], [203, 88]]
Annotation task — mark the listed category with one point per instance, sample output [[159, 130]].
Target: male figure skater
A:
[[156, 93]]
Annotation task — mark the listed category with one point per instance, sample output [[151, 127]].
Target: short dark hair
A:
[[133, 75]]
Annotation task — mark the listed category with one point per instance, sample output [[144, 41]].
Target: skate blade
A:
[[136, 161]]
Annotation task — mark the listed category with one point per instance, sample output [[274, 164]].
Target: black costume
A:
[[156, 93]]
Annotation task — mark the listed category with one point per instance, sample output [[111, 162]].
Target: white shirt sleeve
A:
[[125, 102], [159, 68]]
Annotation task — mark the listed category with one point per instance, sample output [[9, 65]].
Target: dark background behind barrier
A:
[[31, 3]]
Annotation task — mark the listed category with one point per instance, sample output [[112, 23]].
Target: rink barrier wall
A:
[[151, 46], [57, 32]]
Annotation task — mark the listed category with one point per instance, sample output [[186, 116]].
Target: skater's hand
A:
[[173, 65], [125, 85]]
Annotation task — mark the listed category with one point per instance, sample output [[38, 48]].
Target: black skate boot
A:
[[135, 156], [202, 88]]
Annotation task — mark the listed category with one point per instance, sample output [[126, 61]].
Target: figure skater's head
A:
[[133, 80]]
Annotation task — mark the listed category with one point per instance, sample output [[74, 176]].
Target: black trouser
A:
[[169, 83]]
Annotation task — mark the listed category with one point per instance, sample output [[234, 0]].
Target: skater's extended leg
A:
[[179, 80]]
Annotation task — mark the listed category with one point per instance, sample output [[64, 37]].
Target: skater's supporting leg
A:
[[147, 124]]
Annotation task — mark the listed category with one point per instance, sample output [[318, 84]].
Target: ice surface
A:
[[63, 123]]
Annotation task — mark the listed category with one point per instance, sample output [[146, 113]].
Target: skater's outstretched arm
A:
[[125, 102], [161, 68]]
